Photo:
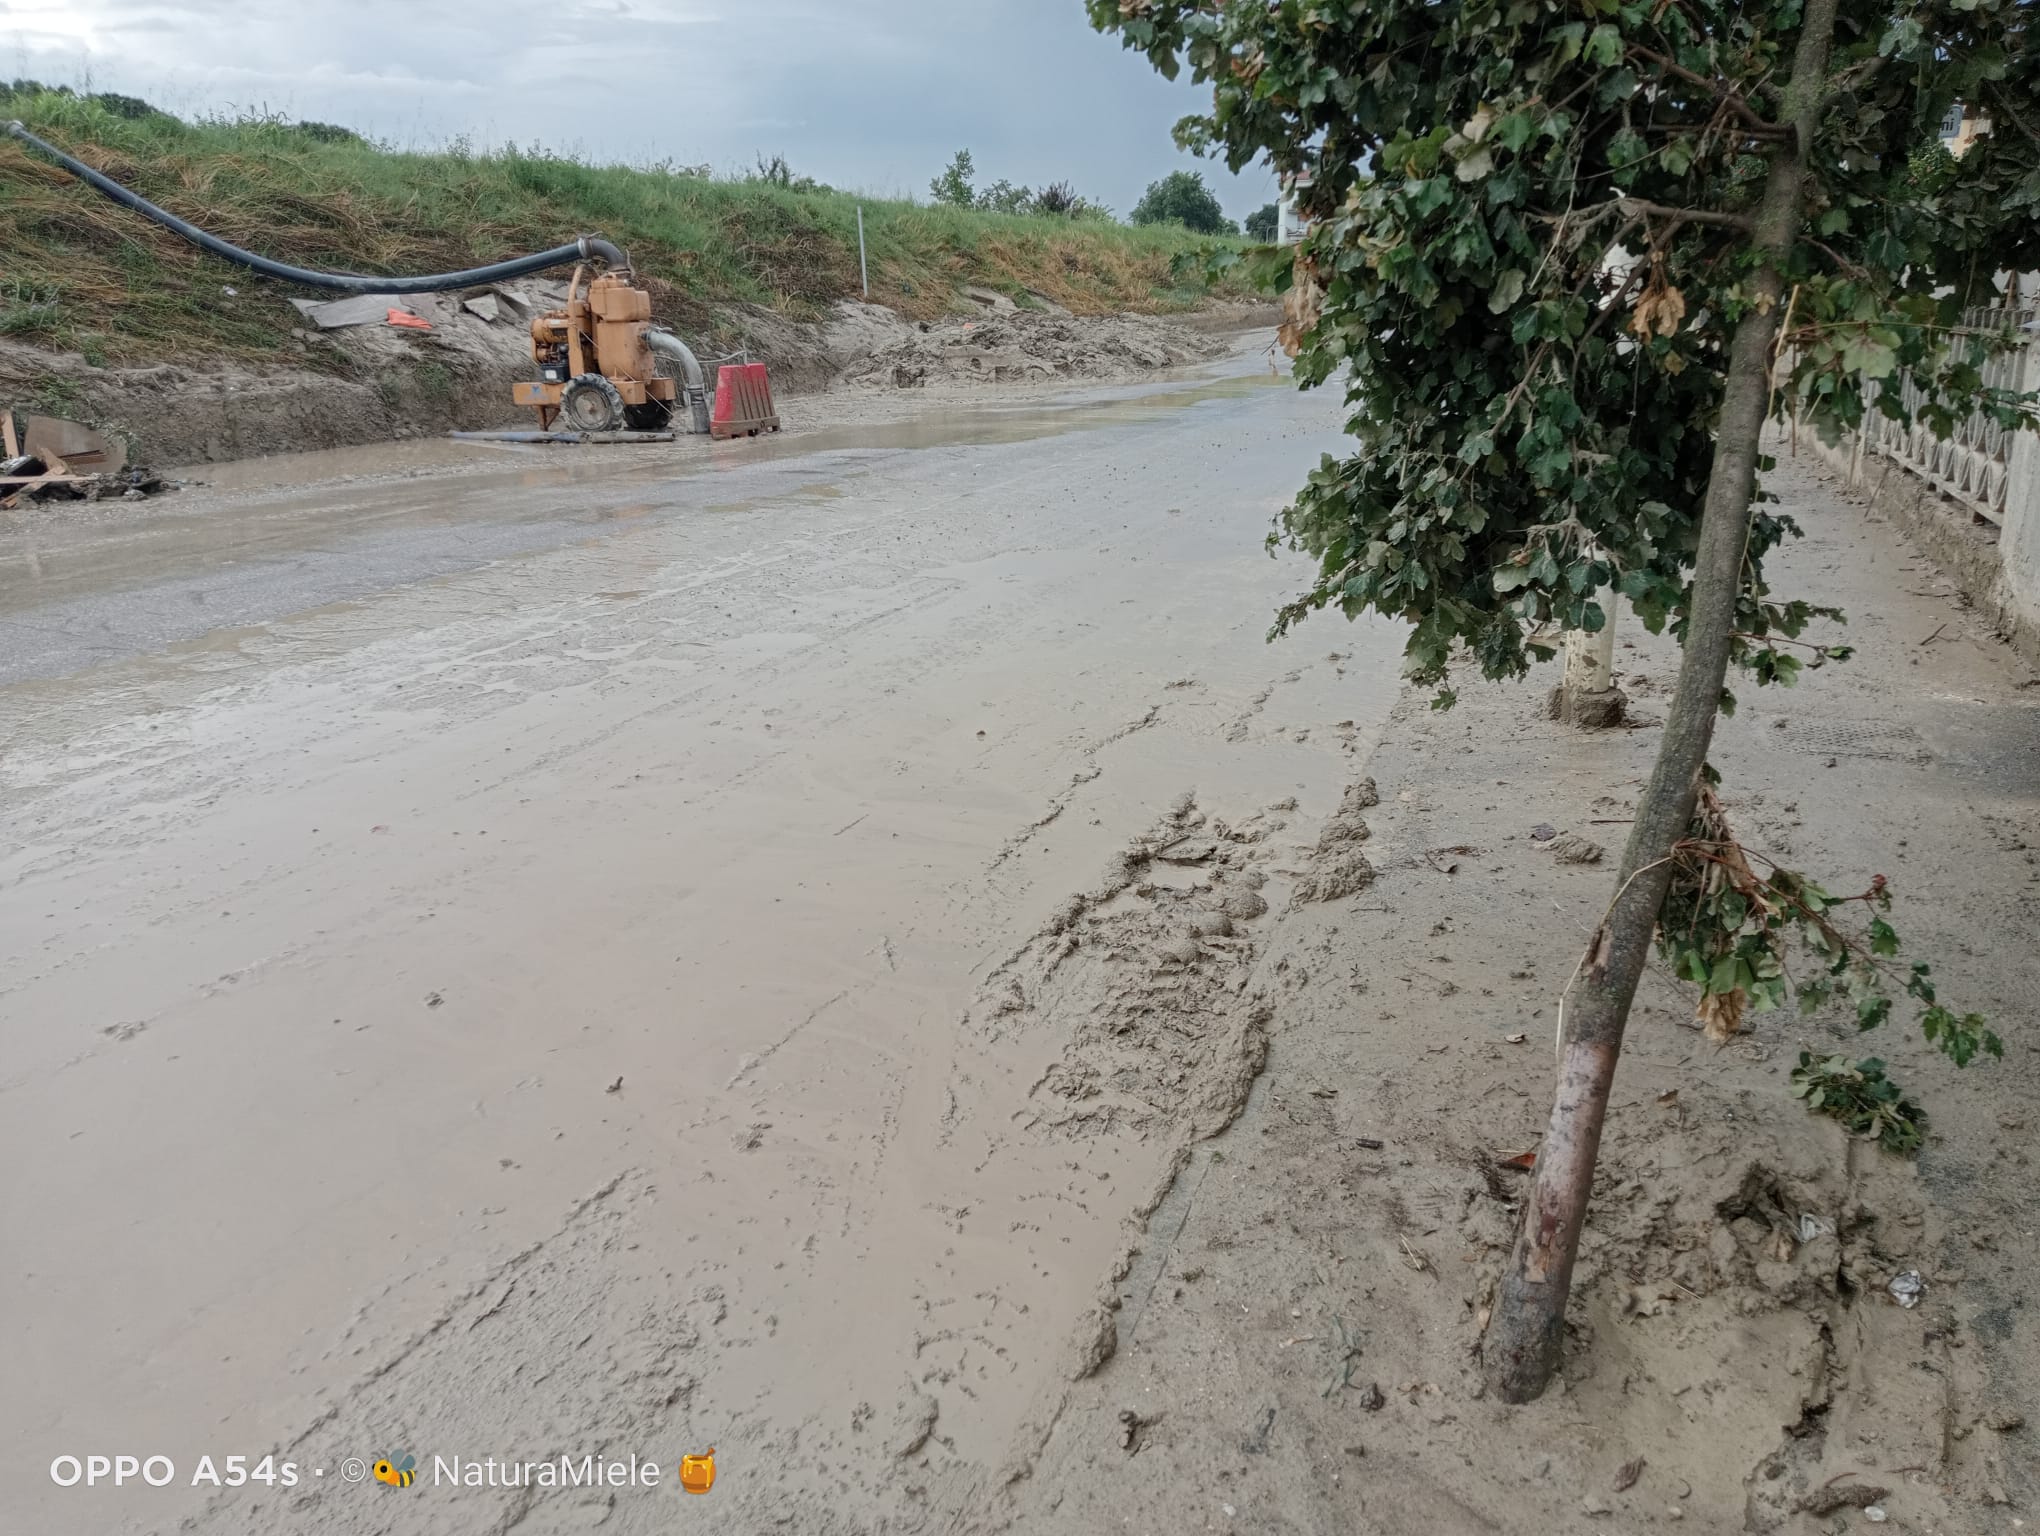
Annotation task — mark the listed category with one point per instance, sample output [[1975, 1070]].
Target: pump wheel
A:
[[590, 403]]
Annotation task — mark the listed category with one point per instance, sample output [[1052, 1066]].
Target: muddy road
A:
[[577, 956]]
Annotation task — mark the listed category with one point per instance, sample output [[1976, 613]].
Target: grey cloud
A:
[[868, 94]]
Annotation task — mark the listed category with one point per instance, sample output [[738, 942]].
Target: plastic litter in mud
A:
[[1907, 1288]]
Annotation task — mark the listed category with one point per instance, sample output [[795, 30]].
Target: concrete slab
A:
[[373, 309]]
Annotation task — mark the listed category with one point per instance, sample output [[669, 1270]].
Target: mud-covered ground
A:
[[1297, 1333], [851, 950], [493, 963]]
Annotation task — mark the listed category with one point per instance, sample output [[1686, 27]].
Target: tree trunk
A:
[[1526, 1335]]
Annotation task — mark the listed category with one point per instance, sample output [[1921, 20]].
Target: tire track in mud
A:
[[1147, 992], [1061, 802], [457, 1386]]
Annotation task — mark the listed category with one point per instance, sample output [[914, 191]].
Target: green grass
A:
[[80, 267], [52, 395], [27, 309]]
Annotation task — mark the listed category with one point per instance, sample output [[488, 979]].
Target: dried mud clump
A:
[[1337, 866], [1144, 977]]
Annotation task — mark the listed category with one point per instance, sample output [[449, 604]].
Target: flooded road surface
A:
[[576, 958], [265, 538]]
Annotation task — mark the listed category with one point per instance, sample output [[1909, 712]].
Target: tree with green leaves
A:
[[1003, 197], [1181, 197], [1572, 257], [1261, 223], [953, 186]]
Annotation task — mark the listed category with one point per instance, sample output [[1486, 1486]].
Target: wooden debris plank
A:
[[29, 483]]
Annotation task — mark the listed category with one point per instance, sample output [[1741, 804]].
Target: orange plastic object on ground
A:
[[409, 321], [743, 402]]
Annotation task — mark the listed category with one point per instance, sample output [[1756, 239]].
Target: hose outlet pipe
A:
[[693, 387], [611, 256]]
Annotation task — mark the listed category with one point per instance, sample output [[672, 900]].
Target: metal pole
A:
[[863, 271]]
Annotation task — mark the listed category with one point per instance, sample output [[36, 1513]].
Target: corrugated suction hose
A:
[[588, 246]]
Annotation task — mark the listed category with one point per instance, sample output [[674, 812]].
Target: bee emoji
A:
[[396, 1470]]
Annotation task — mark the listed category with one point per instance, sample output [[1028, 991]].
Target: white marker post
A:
[[863, 271], [1590, 658], [1588, 696]]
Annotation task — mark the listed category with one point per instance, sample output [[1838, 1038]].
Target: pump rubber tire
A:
[[590, 403]]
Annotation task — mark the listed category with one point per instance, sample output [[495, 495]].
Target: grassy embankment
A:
[[79, 272]]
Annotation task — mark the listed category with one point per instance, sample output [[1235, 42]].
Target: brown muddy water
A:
[[560, 956]]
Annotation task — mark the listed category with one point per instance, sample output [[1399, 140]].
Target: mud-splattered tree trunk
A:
[[1526, 1333]]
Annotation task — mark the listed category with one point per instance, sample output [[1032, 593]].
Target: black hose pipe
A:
[[339, 282]]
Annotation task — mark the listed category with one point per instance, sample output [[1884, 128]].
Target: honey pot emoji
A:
[[697, 1473]]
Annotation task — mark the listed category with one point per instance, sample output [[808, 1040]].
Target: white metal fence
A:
[[1972, 465]]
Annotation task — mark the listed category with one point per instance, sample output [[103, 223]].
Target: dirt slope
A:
[[372, 383]]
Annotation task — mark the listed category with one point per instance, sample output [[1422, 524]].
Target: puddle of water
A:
[[388, 465], [398, 512], [970, 426], [381, 459]]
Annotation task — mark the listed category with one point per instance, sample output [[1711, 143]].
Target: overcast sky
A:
[[866, 94]]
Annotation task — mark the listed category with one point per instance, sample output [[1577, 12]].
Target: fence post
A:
[[2019, 539], [863, 271]]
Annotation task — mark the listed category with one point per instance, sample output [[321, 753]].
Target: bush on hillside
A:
[[953, 185], [1181, 197]]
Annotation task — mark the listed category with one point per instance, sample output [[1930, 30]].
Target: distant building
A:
[[1961, 128], [1291, 224]]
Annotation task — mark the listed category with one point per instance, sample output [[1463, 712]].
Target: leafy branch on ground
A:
[[1753, 935], [1858, 1094]]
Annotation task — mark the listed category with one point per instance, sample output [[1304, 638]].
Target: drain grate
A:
[[1853, 738]]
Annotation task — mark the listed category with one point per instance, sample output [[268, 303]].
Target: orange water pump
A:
[[599, 362]]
